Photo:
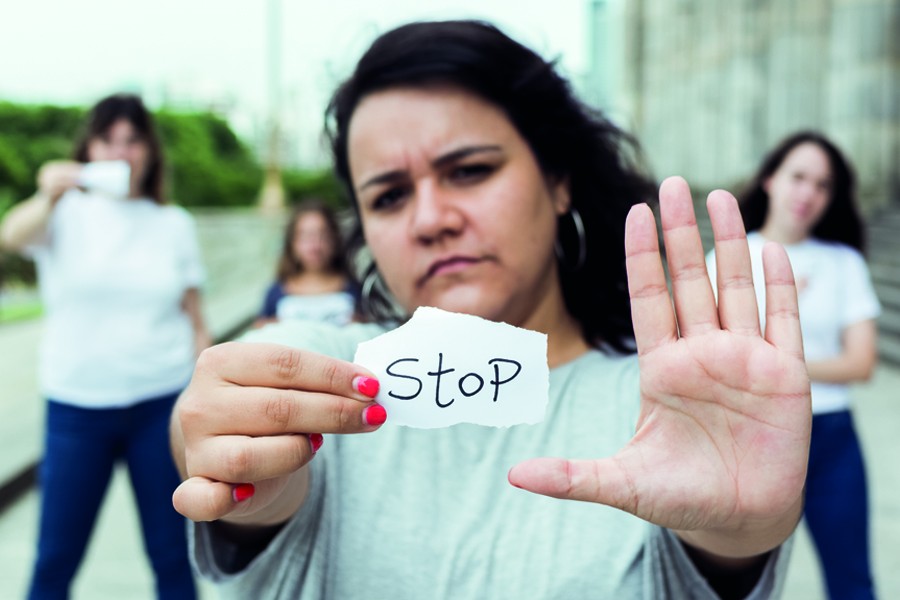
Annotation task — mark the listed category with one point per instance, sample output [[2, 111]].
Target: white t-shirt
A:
[[336, 308], [834, 290], [112, 274]]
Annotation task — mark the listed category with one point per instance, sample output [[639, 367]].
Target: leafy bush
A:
[[207, 164], [321, 184]]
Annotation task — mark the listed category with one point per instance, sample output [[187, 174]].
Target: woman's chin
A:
[[470, 304]]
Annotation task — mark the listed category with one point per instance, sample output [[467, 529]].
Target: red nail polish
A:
[[374, 415], [242, 491], [315, 441], [367, 386]]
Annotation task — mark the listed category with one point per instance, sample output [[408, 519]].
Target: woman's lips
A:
[[448, 266]]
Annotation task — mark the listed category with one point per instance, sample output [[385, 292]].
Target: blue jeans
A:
[[82, 446], [836, 508]]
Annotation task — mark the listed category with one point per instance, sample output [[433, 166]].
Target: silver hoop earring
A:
[[369, 282], [582, 243]]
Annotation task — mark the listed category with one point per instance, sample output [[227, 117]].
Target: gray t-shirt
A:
[[411, 513]]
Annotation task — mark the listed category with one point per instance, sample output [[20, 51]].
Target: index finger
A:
[[256, 364]]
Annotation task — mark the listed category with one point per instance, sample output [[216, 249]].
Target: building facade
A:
[[708, 86]]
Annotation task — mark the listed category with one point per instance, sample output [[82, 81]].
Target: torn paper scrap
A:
[[442, 368]]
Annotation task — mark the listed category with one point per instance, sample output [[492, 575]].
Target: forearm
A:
[[857, 360], [735, 579], [841, 369], [25, 222]]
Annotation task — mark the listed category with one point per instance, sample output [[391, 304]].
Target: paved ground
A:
[[115, 567]]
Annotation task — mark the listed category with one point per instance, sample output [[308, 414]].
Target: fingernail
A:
[[315, 441], [374, 415], [242, 491], [367, 386]]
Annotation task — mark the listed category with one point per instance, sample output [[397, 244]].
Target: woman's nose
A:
[[435, 213]]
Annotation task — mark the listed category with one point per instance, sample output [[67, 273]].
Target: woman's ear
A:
[[766, 184], [560, 195]]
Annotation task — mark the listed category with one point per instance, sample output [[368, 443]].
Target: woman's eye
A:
[[474, 172], [388, 198]]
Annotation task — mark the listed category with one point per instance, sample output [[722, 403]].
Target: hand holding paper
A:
[[443, 368]]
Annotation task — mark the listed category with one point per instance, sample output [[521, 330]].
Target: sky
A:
[[71, 52]]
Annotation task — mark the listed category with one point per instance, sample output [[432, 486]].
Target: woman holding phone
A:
[[119, 278]]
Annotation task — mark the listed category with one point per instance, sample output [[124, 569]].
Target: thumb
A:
[[602, 481], [204, 499]]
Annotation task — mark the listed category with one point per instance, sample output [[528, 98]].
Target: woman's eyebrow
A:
[[455, 155], [440, 161], [389, 177]]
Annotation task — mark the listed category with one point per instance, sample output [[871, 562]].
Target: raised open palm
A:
[[722, 440]]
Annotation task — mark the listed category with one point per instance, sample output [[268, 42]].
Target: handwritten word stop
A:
[[443, 368]]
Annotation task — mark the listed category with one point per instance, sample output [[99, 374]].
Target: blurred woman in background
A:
[[803, 196], [119, 272], [313, 282]]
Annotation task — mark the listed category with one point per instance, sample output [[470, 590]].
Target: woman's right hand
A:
[[255, 413], [57, 176]]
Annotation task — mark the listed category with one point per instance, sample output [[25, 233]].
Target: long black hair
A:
[[570, 141], [841, 221], [131, 108]]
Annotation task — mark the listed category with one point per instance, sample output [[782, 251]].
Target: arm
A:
[[721, 444], [859, 354], [192, 305], [28, 219]]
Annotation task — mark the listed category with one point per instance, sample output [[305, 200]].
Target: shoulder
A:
[[755, 241], [275, 290], [175, 213], [846, 256], [172, 218]]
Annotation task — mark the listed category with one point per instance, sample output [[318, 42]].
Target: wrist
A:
[[735, 546]]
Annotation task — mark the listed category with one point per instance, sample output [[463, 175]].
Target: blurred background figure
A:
[[312, 281], [804, 197], [119, 272]]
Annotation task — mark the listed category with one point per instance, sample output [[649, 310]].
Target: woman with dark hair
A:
[[482, 186], [803, 197], [313, 282], [119, 272]]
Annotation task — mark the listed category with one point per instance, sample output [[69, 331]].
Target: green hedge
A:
[[321, 184]]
